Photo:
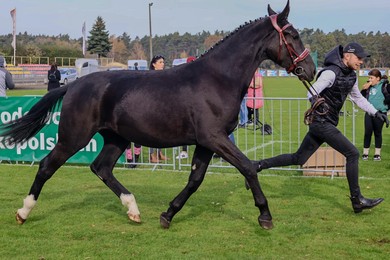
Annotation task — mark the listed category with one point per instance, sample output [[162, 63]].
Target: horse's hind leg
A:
[[47, 167], [114, 146], [200, 162], [248, 169]]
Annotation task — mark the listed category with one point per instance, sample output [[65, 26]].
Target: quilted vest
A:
[[336, 95]]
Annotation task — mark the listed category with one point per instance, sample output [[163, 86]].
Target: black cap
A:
[[356, 49]]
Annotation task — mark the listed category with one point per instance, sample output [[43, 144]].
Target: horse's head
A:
[[286, 47]]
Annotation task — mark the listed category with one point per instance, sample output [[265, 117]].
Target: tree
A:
[[137, 52], [119, 51], [98, 41]]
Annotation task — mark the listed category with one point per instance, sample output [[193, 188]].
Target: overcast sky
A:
[[54, 17]]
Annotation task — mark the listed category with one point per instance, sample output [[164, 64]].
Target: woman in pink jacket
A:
[[255, 91]]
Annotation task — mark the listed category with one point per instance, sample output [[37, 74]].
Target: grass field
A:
[[78, 217]]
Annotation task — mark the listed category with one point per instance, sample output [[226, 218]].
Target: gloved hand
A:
[[382, 117]]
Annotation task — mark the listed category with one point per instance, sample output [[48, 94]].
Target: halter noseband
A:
[[291, 51]]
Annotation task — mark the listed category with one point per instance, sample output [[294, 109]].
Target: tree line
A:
[[174, 45]]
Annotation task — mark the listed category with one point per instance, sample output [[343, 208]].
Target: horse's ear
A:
[[286, 11], [270, 11]]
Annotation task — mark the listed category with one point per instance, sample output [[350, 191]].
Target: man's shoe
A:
[[377, 157], [365, 157], [360, 203]]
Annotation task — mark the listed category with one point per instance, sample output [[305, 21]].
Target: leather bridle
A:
[[317, 101], [295, 57]]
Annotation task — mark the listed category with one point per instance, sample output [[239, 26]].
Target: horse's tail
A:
[[27, 126]]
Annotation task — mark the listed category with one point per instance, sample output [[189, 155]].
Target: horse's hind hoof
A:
[[266, 224], [134, 218], [164, 222], [19, 219]]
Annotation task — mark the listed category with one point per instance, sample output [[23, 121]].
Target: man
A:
[[5, 78], [328, 93]]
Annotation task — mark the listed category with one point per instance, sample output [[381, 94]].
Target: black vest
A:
[[336, 95]]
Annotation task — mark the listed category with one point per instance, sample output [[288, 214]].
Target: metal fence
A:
[[284, 115]]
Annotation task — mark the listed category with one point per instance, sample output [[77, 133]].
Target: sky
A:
[[54, 17]]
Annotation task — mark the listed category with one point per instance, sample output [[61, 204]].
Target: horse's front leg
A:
[[200, 162], [249, 169]]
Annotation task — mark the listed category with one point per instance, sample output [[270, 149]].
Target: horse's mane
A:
[[241, 27]]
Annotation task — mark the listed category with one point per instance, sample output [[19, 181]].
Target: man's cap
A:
[[356, 49]]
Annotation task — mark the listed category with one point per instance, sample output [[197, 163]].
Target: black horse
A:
[[192, 104]]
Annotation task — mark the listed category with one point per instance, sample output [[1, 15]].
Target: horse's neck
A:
[[238, 56]]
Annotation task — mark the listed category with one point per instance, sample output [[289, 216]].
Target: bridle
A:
[[295, 57]]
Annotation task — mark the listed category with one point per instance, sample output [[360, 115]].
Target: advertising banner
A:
[[37, 147]]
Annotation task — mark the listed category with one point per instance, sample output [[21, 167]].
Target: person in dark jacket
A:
[[54, 77], [328, 94], [6, 81], [376, 90]]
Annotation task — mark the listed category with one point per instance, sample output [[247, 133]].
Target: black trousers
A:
[[372, 125], [317, 135]]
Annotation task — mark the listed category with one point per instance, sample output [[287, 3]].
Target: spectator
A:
[[157, 63], [184, 152], [6, 81], [376, 90], [243, 118], [130, 159], [253, 104], [54, 77]]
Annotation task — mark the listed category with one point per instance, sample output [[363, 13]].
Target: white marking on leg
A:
[[28, 204], [194, 167], [128, 200]]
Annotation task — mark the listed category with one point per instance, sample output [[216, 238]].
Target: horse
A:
[[193, 104]]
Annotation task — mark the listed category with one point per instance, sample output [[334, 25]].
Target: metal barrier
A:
[[284, 115]]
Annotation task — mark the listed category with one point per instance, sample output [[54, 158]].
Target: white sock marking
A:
[[28, 204], [128, 200]]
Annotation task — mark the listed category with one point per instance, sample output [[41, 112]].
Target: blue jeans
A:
[[320, 132], [243, 112], [231, 137]]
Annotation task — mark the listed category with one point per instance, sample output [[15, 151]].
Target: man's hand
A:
[[382, 117]]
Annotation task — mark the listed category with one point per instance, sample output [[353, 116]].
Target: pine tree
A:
[[98, 41]]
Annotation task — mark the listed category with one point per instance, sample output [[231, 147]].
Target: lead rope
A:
[[312, 111]]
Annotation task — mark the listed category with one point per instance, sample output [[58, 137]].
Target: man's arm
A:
[[361, 101]]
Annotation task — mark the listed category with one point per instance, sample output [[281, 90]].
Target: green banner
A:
[[37, 147]]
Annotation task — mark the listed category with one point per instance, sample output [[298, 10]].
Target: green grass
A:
[[23, 92], [78, 217]]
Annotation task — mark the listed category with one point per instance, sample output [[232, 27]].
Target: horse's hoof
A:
[[164, 222], [19, 219], [134, 218], [266, 224]]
